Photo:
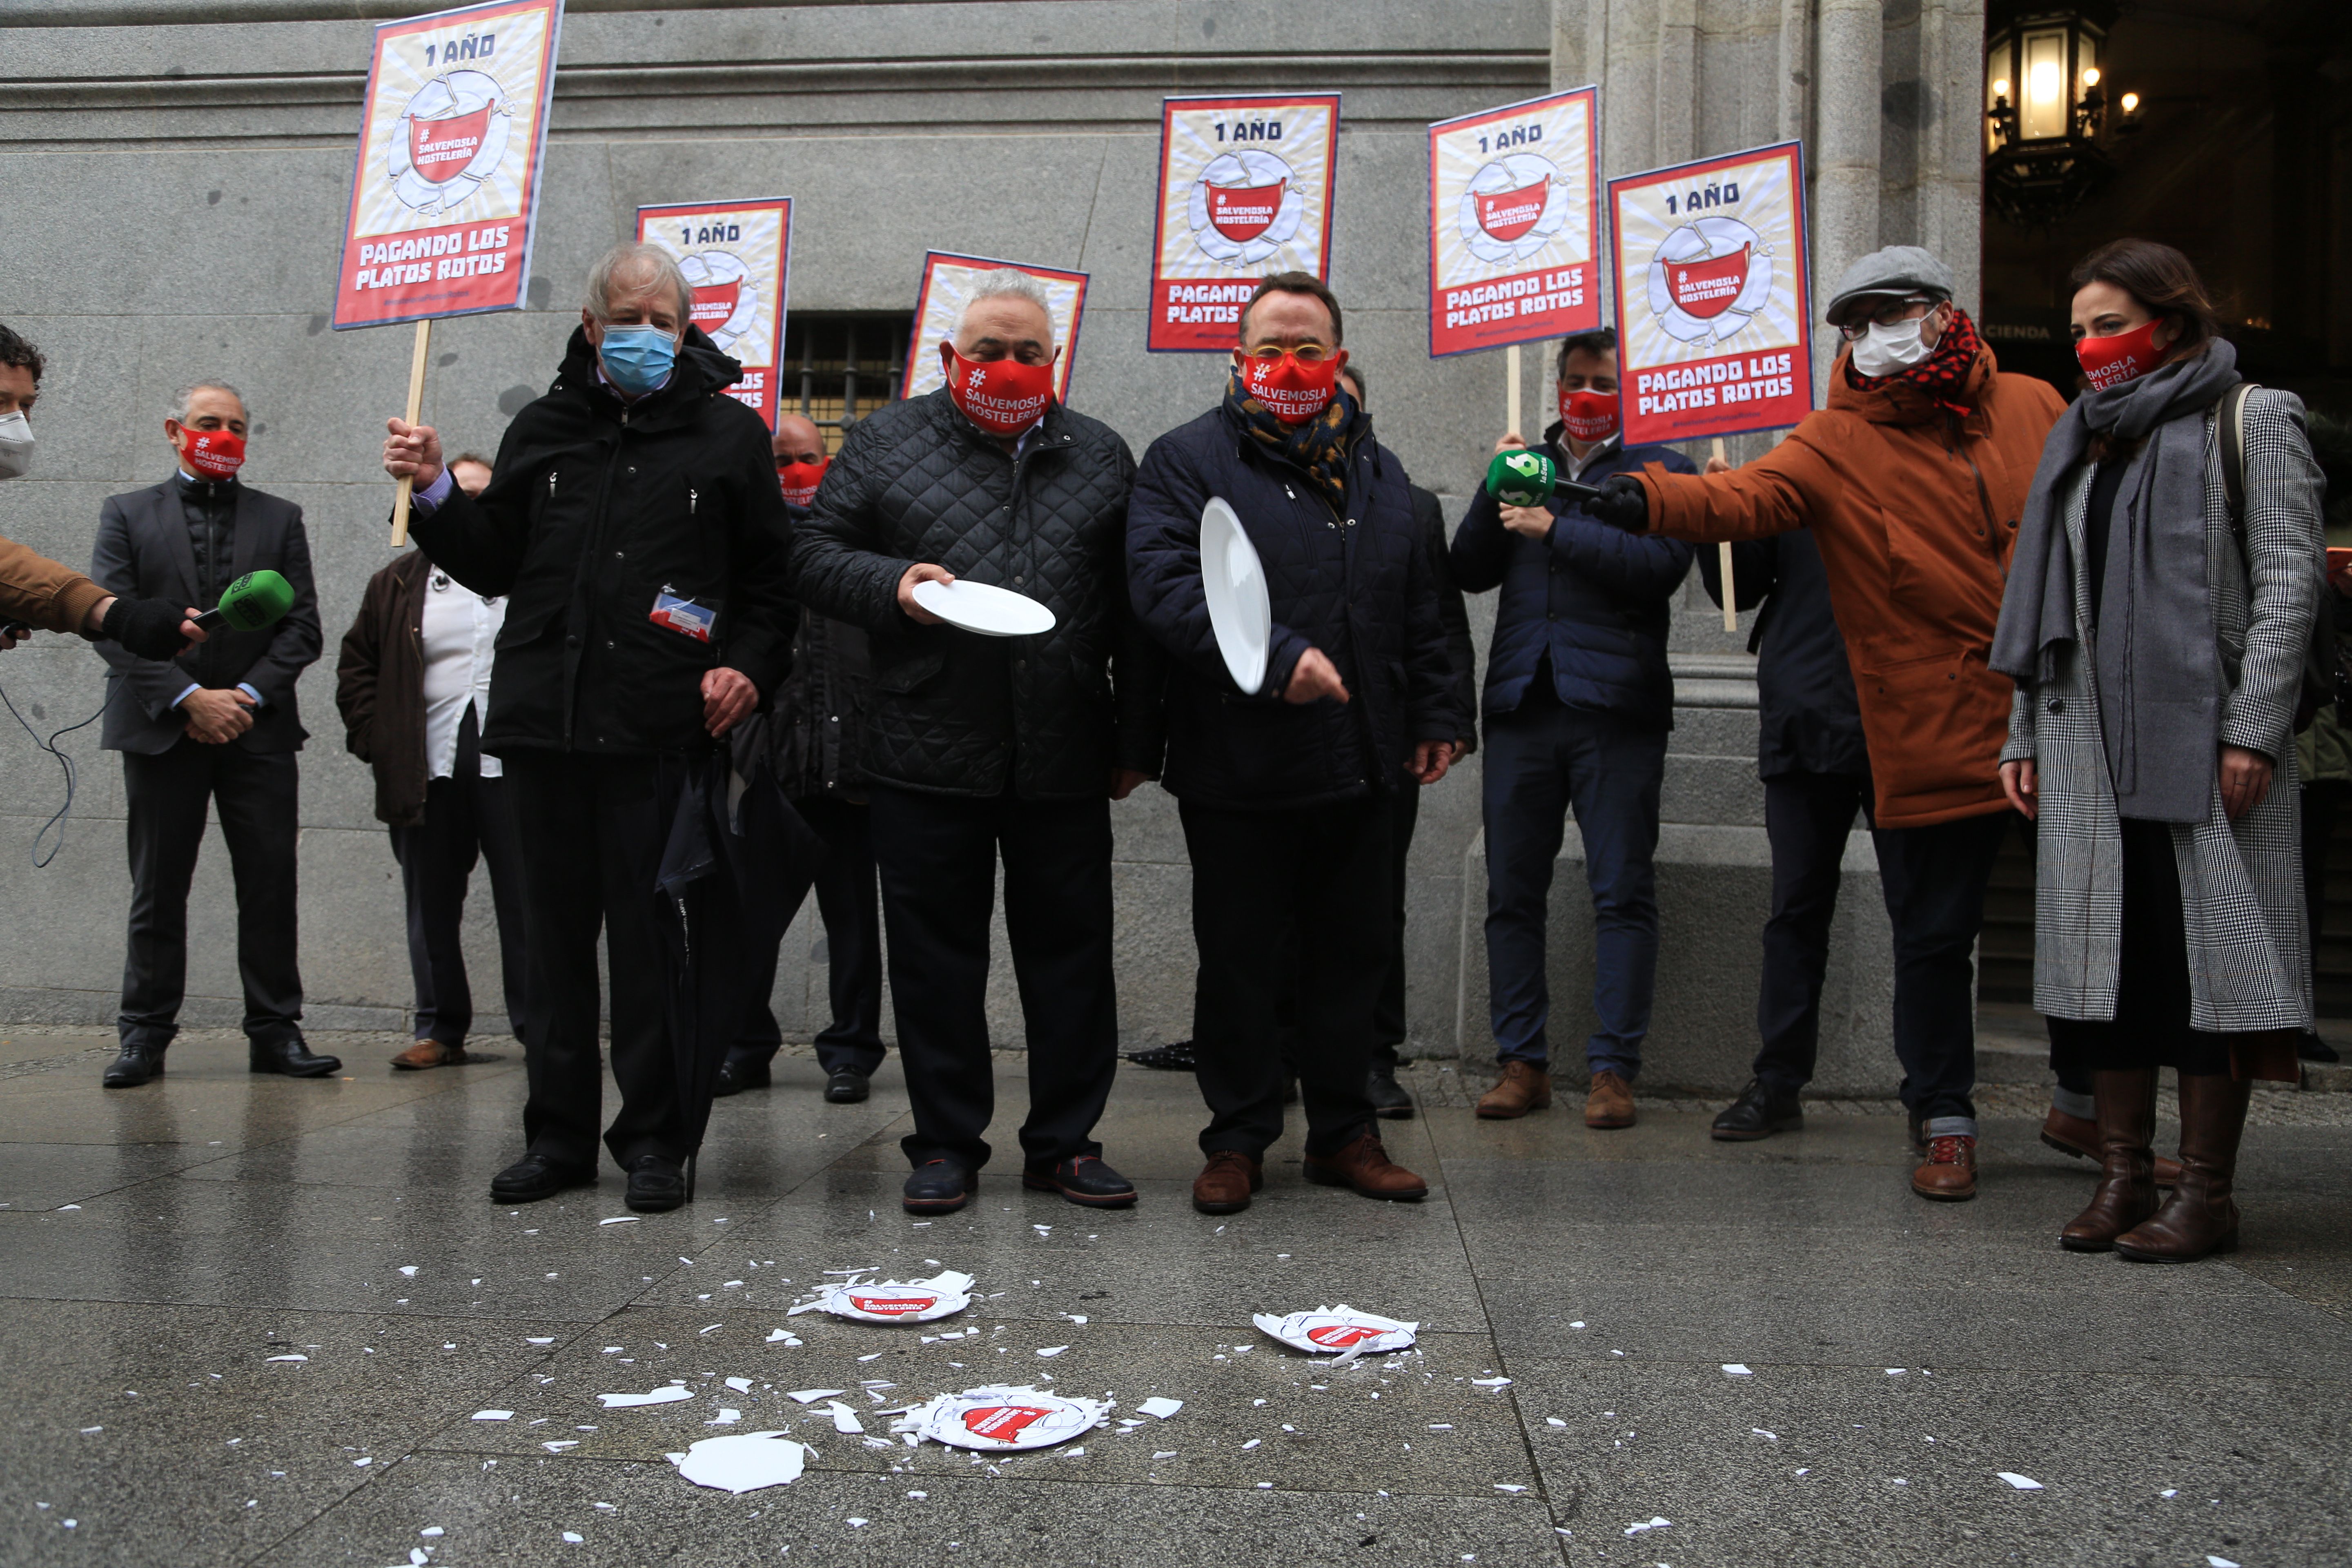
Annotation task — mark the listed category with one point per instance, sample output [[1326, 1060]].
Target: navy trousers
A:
[[1807, 818], [468, 819], [848, 900], [1935, 879]]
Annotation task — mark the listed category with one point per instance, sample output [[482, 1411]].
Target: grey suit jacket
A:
[[144, 551]]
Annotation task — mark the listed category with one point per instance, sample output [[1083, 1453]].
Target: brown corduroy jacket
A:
[[1914, 510], [44, 594], [380, 688]]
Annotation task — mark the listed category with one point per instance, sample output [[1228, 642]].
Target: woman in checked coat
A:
[[2156, 625]]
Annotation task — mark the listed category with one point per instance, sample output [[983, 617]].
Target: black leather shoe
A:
[[657, 1185], [1084, 1180], [1390, 1102], [290, 1058], [735, 1077], [938, 1186], [2310, 1048], [536, 1176], [135, 1066], [846, 1088], [1758, 1113]]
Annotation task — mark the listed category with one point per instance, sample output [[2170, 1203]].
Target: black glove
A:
[[1622, 503], [148, 627]]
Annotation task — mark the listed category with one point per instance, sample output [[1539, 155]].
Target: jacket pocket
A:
[[912, 675], [1936, 724]]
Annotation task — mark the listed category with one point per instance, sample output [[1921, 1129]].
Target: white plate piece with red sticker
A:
[[894, 1301], [997, 1420], [1347, 1330]]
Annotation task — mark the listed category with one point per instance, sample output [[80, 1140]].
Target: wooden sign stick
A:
[[417, 412], [1731, 598], [1511, 393]]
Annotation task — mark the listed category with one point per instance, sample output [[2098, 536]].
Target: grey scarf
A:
[[2158, 668]]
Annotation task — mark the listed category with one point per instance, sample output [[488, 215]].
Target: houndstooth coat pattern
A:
[[2242, 882]]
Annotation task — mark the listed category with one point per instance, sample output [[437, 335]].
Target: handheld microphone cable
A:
[[57, 820]]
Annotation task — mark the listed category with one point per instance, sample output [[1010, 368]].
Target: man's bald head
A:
[[797, 440]]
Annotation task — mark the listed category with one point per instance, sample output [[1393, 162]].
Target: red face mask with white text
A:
[[1293, 390], [1002, 397], [212, 454], [1588, 415], [2126, 356], [800, 480]]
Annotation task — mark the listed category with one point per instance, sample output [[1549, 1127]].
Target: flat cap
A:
[[1898, 269]]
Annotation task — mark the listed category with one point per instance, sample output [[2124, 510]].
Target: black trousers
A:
[[468, 819], [1388, 1030], [1327, 874], [1807, 818], [2153, 999], [2322, 800], [937, 857], [168, 794], [1935, 879], [848, 900], [592, 830]]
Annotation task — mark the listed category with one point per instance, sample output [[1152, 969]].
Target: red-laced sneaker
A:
[[1950, 1174]]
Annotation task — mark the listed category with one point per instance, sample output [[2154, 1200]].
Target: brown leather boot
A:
[[1949, 1175], [429, 1053], [1365, 1166], [1609, 1102], [2200, 1216], [2072, 1135], [2126, 1194], [1525, 1086], [1226, 1182]]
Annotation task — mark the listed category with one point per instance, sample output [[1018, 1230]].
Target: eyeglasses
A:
[[1306, 353], [1886, 315]]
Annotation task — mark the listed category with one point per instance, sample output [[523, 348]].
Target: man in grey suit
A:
[[216, 725]]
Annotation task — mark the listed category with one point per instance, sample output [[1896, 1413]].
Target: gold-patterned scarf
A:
[[1319, 447]]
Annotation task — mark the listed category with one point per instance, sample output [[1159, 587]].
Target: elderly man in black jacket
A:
[[1285, 792], [636, 526], [975, 743]]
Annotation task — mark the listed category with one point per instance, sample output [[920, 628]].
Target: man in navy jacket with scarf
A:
[[1578, 704], [1286, 792]]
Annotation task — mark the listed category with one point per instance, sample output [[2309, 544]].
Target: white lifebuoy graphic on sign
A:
[[449, 139], [1707, 278], [1245, 205], [726, 300], [1510, 212]]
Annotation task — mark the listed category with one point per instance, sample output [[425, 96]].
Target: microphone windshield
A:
[[1520, 479], [256, 600]]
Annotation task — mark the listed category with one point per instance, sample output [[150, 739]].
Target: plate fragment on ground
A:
[[669, 1395], [997, 1419], [1347, 1330], [1737, 1369], [493, 1415], [1162, 1407], [2022, 1483], [894, 1301], [744, 1461], [811, 1395]]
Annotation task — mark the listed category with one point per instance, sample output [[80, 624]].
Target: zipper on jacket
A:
[[551, 484], [692, 496], [1984, 496]]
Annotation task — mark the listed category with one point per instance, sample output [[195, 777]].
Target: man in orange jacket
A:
[[1912, 482]]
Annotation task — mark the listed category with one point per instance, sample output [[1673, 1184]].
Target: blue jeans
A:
[[1539, 762]]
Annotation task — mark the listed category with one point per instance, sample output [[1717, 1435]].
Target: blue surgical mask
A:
[[637, 358]]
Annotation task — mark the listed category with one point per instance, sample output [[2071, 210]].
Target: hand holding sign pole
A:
[[445, 199]]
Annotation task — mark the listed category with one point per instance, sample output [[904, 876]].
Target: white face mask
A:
[[15, 446], [1889, 349]]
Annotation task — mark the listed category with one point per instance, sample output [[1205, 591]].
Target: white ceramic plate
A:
[[990, 611], [1235, 584]]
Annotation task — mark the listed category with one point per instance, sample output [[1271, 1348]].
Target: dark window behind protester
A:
[[634, 527], [2156, 625], [1579, 705], [809, 741], [2323, 752], [977, 746], [412, 682], [1284, 793], [215, 729]]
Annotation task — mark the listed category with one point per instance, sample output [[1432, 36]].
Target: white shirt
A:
[[1577, 466], [461, 631]]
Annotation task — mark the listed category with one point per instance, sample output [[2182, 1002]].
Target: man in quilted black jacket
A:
[[977, 744], [1285, 791]]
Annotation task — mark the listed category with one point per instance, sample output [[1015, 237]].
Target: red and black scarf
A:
[[1943, 374]]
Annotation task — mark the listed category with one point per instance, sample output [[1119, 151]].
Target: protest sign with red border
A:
[[1245, 191], [1513, 248], [737, 258], [452, 139], [1713, 320], [940, 302]]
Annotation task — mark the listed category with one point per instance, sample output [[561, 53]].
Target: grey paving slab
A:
[[49, 1176]]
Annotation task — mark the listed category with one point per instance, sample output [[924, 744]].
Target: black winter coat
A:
[[954, 713], [1355, 584], [597, 508], [1596, 598], [1811, 720], [1461, 649]]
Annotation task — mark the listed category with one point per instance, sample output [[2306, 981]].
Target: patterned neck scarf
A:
[[1319, 447], [1942, 373]]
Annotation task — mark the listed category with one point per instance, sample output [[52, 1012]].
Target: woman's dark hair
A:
[[1599, 341], [2163, 281]]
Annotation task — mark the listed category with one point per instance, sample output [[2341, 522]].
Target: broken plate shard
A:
[[1163, 1409], [811, 1395], [998, 1420], [1350, 1331], [894, 1301], [2022, 1483], [669, 1395], [744, 1462]]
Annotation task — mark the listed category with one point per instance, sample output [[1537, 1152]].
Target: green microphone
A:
[[256, 600], [1530, 478]]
